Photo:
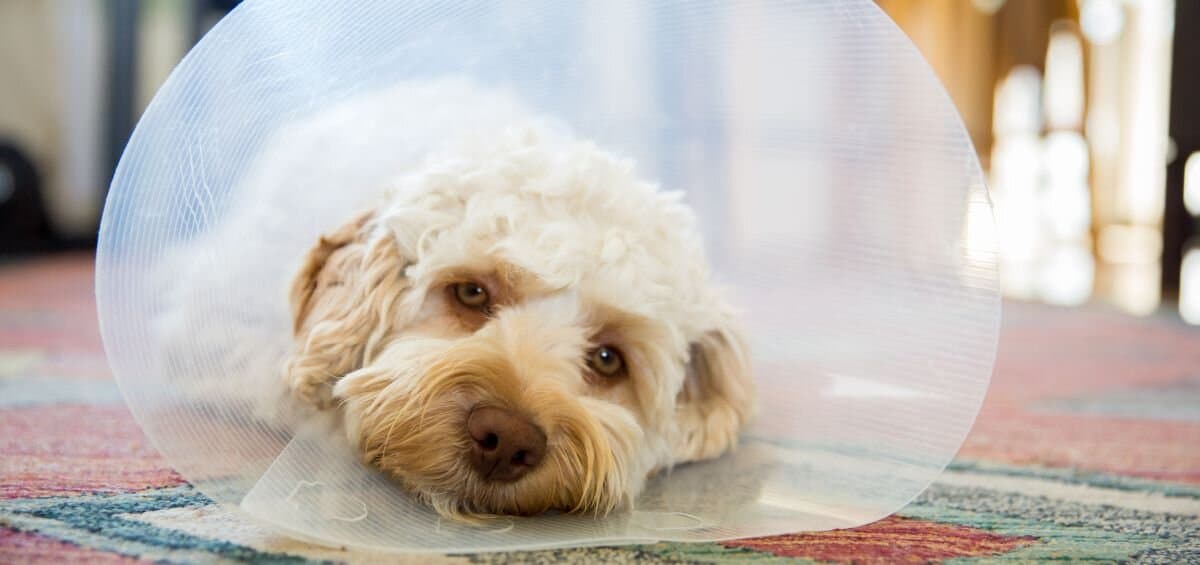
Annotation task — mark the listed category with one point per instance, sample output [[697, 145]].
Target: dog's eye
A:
[[471, 295], [606, 361]]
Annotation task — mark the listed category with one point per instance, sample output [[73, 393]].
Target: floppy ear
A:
[[717, 398], [326, 270], [340, 302]]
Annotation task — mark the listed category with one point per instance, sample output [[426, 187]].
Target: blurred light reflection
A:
[[1015, 174], [978, 238], [1129, 244], [1063, 95], [1043, 197], [1135, 288], [1067, 203], [1189, 286], [1101, 20], [1191, 184], [1066, 275]]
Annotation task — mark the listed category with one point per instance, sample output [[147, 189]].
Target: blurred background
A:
[[1077, 108]]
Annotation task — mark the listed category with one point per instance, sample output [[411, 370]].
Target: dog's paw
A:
[[310, 387]]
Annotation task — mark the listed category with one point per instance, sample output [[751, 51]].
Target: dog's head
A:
[[522, 329]]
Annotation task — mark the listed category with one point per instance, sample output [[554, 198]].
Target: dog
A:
[[521, 326]]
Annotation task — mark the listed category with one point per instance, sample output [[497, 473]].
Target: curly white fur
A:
[[576, 252]]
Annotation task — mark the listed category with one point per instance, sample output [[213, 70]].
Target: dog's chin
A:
[[429, 462], [469, 500], [416, 435]]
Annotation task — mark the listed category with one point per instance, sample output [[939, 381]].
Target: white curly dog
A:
[[521, 326]]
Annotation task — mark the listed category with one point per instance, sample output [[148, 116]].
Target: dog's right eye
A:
[[472, 295]]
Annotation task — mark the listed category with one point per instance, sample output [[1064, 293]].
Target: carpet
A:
[[1087, 448]]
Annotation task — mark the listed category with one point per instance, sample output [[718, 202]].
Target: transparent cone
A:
[[838, 192]]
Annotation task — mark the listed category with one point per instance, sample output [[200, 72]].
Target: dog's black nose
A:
[[506, 444]]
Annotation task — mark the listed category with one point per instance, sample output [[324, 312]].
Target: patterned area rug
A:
[[1088, 448]]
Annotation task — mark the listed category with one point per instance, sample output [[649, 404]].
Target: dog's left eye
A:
[[606, 361], [471, 295]]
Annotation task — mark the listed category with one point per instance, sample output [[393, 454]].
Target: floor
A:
[[1087, 447]]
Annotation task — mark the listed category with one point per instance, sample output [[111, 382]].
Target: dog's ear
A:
[[340, 302], [326, 269], [717, 398]]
